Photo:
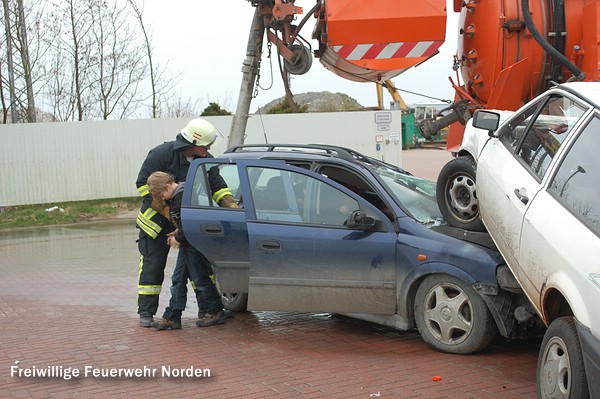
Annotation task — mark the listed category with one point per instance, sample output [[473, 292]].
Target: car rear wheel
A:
[[560, 369], [234, 301], [451, 316], [457, 195]]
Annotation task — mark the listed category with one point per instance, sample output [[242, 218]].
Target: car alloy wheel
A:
[[451, 316]]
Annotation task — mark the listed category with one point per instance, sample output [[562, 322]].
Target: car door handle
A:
[[523, 198], [269, 245], [213, 229]]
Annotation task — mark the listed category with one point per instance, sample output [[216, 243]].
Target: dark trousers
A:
[[153, 260], [177, 302], [200, 270]]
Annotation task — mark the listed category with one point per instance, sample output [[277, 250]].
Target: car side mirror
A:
[[359, 220], [486, 120]]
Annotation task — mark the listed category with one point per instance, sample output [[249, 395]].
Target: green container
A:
[[409, 131]]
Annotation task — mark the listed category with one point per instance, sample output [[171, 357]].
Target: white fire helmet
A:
[[200, 132]]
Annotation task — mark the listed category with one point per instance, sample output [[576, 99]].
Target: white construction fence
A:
[[48, 163]]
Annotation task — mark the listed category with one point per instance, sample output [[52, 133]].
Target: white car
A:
[[532, 179]]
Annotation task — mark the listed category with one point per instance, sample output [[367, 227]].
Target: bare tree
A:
[[60, 89], [121, 71], [176, 107], [80, 60], [24, 56], [9, 17], [69, 85], [23, 47], [96, 70], [10, 64], [160, 82]]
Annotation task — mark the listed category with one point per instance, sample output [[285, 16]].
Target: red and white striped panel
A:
[[381, 51]]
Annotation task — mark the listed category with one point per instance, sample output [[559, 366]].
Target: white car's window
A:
[[537, 133], [577, 181], [513, 132]]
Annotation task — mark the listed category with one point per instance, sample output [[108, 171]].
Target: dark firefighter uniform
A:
[[154, 226]]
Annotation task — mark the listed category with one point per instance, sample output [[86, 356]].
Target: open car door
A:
[[219, 233], [311, 244]]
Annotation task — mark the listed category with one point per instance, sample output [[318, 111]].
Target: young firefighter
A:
[[163, 186]]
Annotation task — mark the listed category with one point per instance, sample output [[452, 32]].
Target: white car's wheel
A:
[[457, 194], [560, 369]]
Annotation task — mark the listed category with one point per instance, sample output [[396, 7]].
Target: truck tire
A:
[[457, 195]]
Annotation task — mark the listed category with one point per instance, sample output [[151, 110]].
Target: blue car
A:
[[326, 229]]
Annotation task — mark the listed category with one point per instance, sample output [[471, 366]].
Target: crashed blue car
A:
[[325, 229]]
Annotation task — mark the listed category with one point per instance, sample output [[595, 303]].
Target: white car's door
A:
[[513, 167], [560, 237]]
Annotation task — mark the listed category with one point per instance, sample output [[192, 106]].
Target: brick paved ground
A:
[[67, 299]]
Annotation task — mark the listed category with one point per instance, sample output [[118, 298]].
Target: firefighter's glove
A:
[[228, 202]]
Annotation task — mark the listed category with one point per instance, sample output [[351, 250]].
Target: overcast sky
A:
[[205, 42]]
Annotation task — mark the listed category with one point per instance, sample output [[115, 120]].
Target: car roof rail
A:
[[322, 149], [361, 157], [332, 150]]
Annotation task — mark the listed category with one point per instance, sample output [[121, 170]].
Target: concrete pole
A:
[[249, 72]]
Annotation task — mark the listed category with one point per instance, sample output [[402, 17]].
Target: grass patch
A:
[[65, 212]]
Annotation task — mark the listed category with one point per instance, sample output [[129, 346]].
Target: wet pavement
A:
[[67, 300]]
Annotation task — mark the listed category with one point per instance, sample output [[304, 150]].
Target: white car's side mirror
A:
[[486, 120]]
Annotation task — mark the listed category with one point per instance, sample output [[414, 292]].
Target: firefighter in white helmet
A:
[[172, 157]]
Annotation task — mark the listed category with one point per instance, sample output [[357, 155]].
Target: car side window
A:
[[358, 185], [575, 183], [536, 135], [202, 195], [273, 195], [514, 131], [293, 197], [327, 205]]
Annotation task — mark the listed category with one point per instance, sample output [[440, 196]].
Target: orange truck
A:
[[508, 51]]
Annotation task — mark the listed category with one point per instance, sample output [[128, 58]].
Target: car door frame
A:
[[274, 288], [219, 233]]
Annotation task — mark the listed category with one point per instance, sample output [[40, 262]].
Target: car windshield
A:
[[415, 195]]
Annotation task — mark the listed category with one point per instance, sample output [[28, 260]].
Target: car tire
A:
[[234, 301], [560, 369], [457, 196], [452, 317]]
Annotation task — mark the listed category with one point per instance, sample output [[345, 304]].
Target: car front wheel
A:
[[560, 369], [234, 301], [457, 195], [451, 316]]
